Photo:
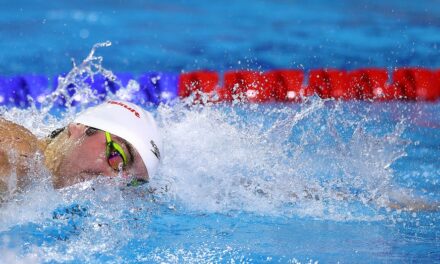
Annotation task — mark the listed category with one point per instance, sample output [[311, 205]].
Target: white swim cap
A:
[[130, 122]]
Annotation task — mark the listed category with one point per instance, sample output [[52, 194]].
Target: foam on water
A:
[[320, 159], [246, 158]]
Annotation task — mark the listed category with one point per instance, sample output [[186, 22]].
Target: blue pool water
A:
[[317, 188], [320, 181], [41, 37]]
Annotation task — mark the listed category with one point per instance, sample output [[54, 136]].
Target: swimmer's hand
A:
[[415, 206], [399, 199], [403, 199]]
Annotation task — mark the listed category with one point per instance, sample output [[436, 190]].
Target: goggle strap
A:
[[108, 138]]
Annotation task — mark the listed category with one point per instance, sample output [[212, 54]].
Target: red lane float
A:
[[287, 85], [248, 85], [367, 84], [197, 82], [361, 84], [417, 83], [276, 85], [329, 83]]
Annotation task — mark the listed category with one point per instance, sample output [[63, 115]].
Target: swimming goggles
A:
[[115, 156], [114, 153]]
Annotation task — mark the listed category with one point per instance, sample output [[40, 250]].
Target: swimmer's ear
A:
[[75, 130]]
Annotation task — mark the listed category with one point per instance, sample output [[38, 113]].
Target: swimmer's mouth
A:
[[136, 182]]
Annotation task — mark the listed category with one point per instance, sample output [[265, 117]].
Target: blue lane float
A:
[[38, 87], [70, 90], [158, 87], [154, 88], [99, 85], [123, 78], [16, 90]]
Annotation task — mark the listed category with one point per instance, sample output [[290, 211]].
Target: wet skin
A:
[[18, 148], [71, 157]]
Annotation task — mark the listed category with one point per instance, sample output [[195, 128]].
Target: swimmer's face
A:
[[84, 157]]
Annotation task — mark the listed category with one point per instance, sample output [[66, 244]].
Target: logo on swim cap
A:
[[125, 106], [155, 150]]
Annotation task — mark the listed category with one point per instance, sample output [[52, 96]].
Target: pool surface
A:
[[321, 181], [272, 184], [184, 35]]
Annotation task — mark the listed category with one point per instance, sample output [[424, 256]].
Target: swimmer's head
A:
[[131, 123], [103, 138]]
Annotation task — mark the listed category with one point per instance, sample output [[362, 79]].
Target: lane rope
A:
[[284, 85]]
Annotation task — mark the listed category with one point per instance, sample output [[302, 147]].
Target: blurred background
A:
[[41, 37]]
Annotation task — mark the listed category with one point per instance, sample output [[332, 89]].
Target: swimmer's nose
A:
[[75, 130]]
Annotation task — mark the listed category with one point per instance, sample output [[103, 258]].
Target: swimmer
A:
[[111, 139]]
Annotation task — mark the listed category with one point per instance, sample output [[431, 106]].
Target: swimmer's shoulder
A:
[[17, 137], [18, 147]]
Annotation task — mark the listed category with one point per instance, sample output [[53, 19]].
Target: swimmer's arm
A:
[[4, 175], [17, 148], [399, 199], [404, 199]]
